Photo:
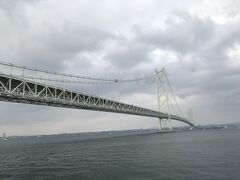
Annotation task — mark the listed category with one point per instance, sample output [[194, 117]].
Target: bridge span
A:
[[20, 90]]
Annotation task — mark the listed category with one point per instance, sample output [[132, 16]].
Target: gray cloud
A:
[[128, 55], [184, 33], [44, 43]]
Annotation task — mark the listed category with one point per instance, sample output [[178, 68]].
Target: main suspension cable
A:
[[91, 80], [169, 85]]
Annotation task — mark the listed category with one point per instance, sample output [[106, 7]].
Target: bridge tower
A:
[[163, 100]]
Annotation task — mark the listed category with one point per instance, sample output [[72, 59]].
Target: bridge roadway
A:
[[15, 89]]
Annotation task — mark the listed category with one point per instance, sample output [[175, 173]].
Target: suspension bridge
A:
[[20, 86]]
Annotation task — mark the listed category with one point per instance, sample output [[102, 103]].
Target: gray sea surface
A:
[[193, 155]]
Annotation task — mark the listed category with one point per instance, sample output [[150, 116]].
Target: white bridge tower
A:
[[163, 99]]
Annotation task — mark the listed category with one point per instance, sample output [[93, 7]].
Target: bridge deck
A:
[[14, 89]]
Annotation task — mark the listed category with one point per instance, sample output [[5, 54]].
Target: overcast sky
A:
[[198, 43]]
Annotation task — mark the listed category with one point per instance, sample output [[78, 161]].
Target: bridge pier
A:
[[169, 124], [160, 124], [164, 121]]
